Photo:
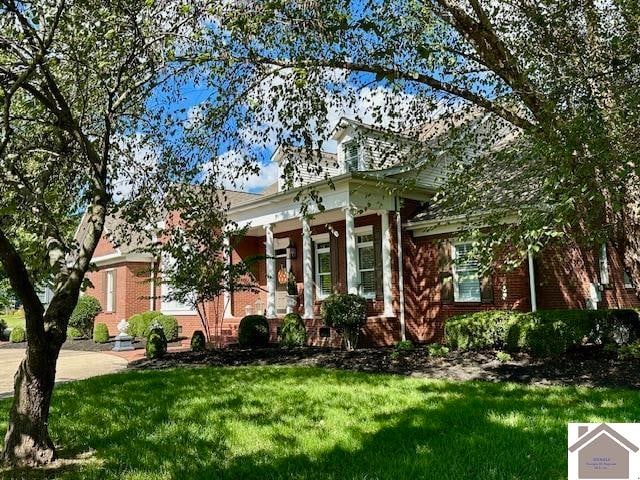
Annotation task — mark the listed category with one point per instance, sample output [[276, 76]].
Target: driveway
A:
[[71, 366]]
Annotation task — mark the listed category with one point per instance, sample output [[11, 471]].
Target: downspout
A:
[[403, 332], [152, 297], [532, 281]]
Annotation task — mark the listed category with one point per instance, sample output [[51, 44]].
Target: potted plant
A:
[[292, 292]]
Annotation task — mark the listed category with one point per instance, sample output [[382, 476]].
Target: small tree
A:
[[347, 313], [85, 313], [197, 252]]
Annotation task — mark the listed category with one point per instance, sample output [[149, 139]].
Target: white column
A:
[[271, 272], [386, 264], [352, 265], [403, 329], [532, 282], [307, 268], [226, 297]]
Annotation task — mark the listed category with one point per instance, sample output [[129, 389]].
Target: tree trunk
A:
[[27, 442]]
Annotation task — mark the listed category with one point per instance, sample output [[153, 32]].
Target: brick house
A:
[[364, 240]]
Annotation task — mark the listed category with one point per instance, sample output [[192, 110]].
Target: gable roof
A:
[[599, 430]]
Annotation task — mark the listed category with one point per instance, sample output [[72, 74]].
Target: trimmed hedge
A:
[[84, 314], [169, 325], [546, 332], [156, 342], [198, 341], [293, 332], [101, 333], [73, 333], [140, 323], [253, 331], [17, 335], [3, 327]]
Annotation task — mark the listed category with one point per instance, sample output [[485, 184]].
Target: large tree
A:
[[560, 76], [75, 81]]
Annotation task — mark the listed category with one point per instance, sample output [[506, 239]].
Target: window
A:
[[604, 265], [352, 156], [366, 266], [466, 282], [627, 280], [323, 269], [172, 306], [111, 290]]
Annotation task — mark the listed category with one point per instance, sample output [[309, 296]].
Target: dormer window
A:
[[352, 156]]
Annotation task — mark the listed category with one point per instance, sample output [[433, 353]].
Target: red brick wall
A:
[[132, 291], [564, 274], [425, 314]]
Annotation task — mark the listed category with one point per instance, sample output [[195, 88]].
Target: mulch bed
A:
[[588, 366], [86, 345]]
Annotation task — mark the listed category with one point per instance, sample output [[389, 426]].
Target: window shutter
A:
[[486, 289], [313, 269], [335, 261], [105, 287], [377, 258], [445, 276]]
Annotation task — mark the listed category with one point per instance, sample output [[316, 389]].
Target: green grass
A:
[[307, 423], [13, 319]]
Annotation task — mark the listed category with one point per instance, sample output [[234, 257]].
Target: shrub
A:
[[169, 325], [100, 333], [293, 332], [3, 328], [404, 346], [17, 335], [253, 331], [73, 333], [630, 351], [503, 357], [84, 314], [546, 332], [139, 324], [347, 314], [156, 342], [437, 350], [198, 341]]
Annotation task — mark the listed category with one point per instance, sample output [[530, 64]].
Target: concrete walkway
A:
[[71, 366]]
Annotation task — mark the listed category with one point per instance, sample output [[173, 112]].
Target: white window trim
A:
[[627, 280], [360, 163], [368, 230], [110, 295], [168, 308], [604, 265], [456, 285], [324, 238]]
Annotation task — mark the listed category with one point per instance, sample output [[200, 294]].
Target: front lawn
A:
[[13, 319], [300, 423]]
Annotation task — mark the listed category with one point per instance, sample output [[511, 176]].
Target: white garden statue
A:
[[123, 327]]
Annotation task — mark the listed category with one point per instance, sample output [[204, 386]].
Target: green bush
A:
[[198, 341], [84, 314], [156, 342], [404, 346], [437, 350], [169, 325], [347, 313], [253, 331], [293, 332], [629, 352], [73, 333], [3, 327], [140, 323], [545, 332], [100, 333], [17, 335], [503, 357]]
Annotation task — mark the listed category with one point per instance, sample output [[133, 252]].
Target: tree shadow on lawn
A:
[[308, 423]]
